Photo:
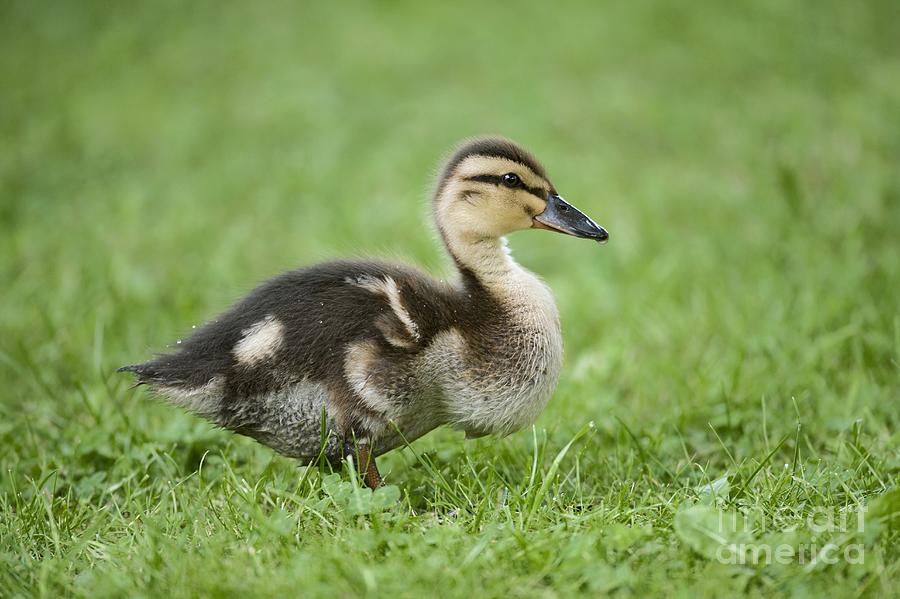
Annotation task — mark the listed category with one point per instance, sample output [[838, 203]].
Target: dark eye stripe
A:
[[498, 180]]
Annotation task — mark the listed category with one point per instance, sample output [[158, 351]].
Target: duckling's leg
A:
[[365, 463], [372, 477]]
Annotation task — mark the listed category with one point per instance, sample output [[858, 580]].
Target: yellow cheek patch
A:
[[534, 206]]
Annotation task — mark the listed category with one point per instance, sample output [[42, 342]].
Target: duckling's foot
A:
[[365, 463]]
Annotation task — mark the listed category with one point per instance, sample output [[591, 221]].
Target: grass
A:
[[732, 352]]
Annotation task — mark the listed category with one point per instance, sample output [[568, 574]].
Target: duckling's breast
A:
[[499, 377]]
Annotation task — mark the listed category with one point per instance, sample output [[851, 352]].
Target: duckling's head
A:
[[491, 187]]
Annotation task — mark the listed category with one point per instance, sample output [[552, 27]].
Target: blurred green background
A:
[[157, 160]]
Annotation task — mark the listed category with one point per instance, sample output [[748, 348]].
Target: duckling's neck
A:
[[488, 260]]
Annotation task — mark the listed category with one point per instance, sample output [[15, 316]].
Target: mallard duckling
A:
[[355, 358]]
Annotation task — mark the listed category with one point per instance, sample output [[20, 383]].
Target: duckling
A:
[[354, 358]]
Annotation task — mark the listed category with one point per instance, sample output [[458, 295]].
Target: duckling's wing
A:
[[413, 307]]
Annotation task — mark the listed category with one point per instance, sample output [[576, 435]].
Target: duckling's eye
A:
[[511, 180]]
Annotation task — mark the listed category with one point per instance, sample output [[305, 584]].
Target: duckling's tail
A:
[[139, 370], [166, 379], [152, 373]]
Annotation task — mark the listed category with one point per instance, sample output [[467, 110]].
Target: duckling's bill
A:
[[561, 216]]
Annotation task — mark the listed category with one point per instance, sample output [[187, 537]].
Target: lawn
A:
[[732, 376]]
